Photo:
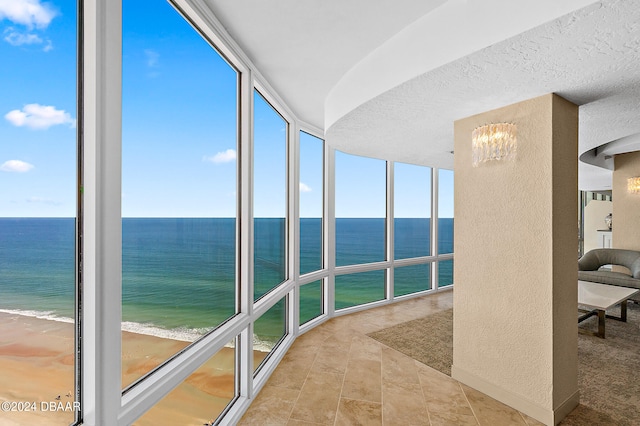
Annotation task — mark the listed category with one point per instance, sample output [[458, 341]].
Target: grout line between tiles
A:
[[469, 403], [424, 397], [344, 377], [300, 391]]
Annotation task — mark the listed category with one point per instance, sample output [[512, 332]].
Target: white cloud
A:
[[304, 187], [38, 116], [223, 157], [17, 38], [16, 166], [30, 13], [41, 200], [152, 57]]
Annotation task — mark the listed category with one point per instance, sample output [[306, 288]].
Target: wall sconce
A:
[[633, 185], [494, 142]]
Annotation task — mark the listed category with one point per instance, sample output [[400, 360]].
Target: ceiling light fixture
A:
[[494, 142]]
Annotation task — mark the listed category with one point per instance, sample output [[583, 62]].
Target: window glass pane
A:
[[360, 288], [412, 210], [202, 397], [411, 279], [445, 211], [268, 331], [179, 137], [38, 182], [360, 209], [269, 197], [310, 301], [445, 273], [311, 190]]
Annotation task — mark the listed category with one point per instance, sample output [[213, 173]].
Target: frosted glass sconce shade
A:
[[633, 185], [494, 142]]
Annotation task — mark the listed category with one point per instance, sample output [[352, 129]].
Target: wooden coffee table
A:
[[600, 297]]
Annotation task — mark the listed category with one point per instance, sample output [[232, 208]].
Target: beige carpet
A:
[[428, 339], [608, 369]]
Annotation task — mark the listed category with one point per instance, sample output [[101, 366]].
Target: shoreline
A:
[[37, 366], [144, 329]]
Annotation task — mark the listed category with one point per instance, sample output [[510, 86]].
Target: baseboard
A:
[[567, 407], [531, 409]]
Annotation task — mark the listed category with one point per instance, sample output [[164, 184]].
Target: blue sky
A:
[[37, 108], [179, 126]]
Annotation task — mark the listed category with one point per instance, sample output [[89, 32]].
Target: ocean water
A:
[[179, 275]]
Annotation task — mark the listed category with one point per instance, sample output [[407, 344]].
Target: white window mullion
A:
[[329, 227], [102, 225], [434, 227], [245, 213], [390, 231], [294, 224]]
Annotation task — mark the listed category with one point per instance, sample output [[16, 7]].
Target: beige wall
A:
[[515, 297], [594, 213], [626, 207]]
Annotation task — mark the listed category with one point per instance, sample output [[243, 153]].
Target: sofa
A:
[[589, 268]]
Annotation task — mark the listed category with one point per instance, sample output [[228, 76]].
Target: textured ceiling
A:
[[590, 57], [306, 49]]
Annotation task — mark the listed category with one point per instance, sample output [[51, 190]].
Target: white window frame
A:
[[100, 363]]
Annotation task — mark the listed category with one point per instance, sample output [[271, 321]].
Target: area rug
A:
[[428, 339], [608, 369]]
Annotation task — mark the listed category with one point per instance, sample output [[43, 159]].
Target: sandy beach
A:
[[36, 371]]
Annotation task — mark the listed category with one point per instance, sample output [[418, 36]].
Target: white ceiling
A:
[[307, 50], [303, 47]]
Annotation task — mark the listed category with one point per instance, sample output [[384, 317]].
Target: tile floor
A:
[[336, 375]]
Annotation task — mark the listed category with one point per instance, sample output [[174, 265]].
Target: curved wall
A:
[[452, 31]]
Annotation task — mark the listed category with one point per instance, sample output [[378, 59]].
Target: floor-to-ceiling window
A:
[[412, 227], [412, 210], [179, 203], [360, 199], [268, 330], [311, 301], [360, 227], [269, 197], [212, 211], [38, 211], [202, 396], [311, 202], [311, 208]]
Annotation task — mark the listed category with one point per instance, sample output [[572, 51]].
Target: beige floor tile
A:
[[341, 339], [490, 412], [363, 380], [336, 375], [397, 367], [393, 317], [290, 375], [318, 401], [331, 360], [294, 422], [365, 348], [402, 405], [449, 419], [300, 354], [271, 407], [313, 338], [442, 394], [352, 412], [530, 421], [336, 324]]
